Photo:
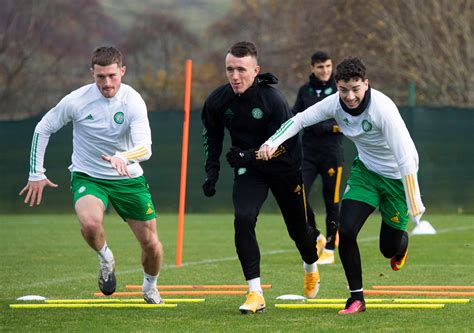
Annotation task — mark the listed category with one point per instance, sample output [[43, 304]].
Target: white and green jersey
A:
[[383, 142], [116, 126]]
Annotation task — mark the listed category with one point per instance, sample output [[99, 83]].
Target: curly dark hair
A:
[[350, 68]]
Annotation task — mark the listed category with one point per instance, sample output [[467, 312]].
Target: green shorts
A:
[[378, 191], [130, 197]]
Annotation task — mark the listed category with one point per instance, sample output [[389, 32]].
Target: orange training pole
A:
[[424, 287], [204, 286], [184, 162]]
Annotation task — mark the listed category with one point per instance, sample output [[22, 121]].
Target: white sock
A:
[[105, 254], [356, 291], [254, 285], [310, 268], [149, 281]]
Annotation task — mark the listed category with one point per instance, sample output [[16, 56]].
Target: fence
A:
[[443, 136]]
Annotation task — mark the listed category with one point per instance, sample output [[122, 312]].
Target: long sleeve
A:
[[52, 121], [38, 150], [213, 136], [141, 135], [413, 197], [406, 156], [312, 115]]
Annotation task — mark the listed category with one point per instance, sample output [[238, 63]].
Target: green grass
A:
[[45, 255]]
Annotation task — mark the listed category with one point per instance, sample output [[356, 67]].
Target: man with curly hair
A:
[[383, 175]]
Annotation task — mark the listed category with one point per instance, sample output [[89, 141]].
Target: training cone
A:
[[423, 228]]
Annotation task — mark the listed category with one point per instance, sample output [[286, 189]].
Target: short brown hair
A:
[[106, 55], [243, 49]]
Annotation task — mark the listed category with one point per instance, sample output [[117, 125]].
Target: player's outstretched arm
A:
[[34, 191]]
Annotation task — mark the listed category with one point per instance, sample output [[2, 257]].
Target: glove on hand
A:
[[238, 158], [209, 186]]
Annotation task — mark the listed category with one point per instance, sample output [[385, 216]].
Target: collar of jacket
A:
[[265, 78], [316, 83]]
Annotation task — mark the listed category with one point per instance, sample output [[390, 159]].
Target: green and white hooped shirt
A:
[[116, 126]]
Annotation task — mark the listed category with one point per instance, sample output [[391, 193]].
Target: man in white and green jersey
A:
[[384, 174], [111, 135]]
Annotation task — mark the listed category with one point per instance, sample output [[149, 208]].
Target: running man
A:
[[252, 109], [384, 174], [111, 135]]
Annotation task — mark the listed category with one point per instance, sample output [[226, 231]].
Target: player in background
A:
[[111, 135], [383, 175], [252, 109], [323, 152]]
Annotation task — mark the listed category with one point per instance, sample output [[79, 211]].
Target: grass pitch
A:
[[46, 255]]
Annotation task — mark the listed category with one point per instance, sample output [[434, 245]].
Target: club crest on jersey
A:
[[119, 117], [229, 113], [366, 126], [257, 113], [328, 91]]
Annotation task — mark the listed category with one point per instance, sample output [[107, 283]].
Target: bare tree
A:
[[157, 47], [43, 48], [428, 42]]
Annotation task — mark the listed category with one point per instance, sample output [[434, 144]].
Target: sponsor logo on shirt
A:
[[257, 113], [331, 172], [81, 189], [89, 117], [119, 117], [346, 121]]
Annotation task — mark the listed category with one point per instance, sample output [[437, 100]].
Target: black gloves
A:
[[209, 186], [238, 158]]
